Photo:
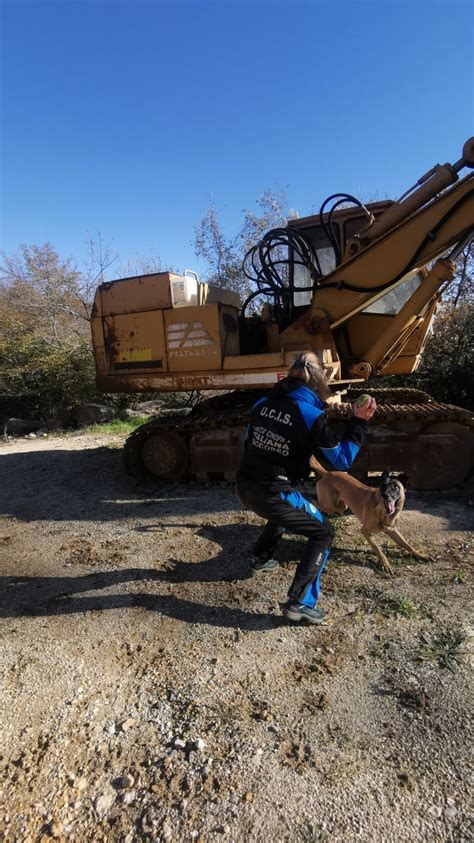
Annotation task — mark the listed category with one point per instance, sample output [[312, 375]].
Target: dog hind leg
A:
[[378, 551]]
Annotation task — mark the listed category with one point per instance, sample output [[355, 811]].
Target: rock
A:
[[149, 822], [122, 782], [104, 803], [147, 408], [248, 797], [129, 797], [80, 783], [435, 811], [93, 414], [60, 420], [167, 832], [179, 743], [126, 725], [198, 744], [21, 425], [56, 828], [450, 812], [30, 436]]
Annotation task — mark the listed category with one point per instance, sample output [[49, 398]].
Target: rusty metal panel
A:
[[422, 457], [135, 342], [195, 337], [219, 295], [254, 361], [186, 381], [138, 294]]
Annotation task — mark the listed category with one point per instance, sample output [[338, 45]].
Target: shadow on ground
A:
[[64, 485], [52, 596], [90, 484], [23, 596]]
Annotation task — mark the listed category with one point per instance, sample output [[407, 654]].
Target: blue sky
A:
[[126, 117]]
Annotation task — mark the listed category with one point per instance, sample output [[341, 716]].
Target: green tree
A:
[[447, 369], [46, 361], [45, 347]]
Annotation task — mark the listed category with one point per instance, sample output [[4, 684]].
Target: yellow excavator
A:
[[358, 284]]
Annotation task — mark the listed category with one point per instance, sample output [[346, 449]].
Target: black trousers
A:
[[285, 508]]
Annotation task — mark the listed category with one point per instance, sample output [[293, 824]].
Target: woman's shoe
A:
[[258, 564], [299, 612]]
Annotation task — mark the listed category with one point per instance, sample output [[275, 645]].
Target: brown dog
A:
[[378, 510]]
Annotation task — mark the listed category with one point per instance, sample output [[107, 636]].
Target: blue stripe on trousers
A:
[[311, 595], [296, 499]]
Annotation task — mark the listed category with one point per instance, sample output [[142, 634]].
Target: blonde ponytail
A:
[[308, 369]]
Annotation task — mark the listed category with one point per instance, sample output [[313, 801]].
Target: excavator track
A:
[[223, 412], [392, 395], [431, 442]]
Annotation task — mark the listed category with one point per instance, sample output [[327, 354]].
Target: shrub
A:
[[59, 378], [447, 370]]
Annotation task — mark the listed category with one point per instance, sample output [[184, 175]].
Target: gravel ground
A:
[[152, 691]]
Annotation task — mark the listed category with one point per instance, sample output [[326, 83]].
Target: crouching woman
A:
[[286, 428]]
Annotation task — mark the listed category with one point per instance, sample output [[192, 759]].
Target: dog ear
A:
[[404, 479], [385, 475]]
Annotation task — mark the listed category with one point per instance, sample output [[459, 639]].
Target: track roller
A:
[[165, 455]]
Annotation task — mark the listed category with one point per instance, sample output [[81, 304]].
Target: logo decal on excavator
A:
[[187, 339]]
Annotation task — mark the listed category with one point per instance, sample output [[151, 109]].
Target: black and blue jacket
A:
[[287, 429]]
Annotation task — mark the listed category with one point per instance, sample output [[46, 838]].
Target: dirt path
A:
[[151, 690]]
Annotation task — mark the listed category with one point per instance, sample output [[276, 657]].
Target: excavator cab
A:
[[328, 238]]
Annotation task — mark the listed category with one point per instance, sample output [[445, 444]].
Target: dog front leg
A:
[[398, 538], [378, 551]]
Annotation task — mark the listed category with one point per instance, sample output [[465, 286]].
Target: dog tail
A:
[[316, 466]]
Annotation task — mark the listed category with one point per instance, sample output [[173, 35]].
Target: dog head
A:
[[392, 490]]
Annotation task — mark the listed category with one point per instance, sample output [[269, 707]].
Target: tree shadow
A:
[[53, 596]]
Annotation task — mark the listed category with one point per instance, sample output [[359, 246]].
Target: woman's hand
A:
[[366, 411]]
